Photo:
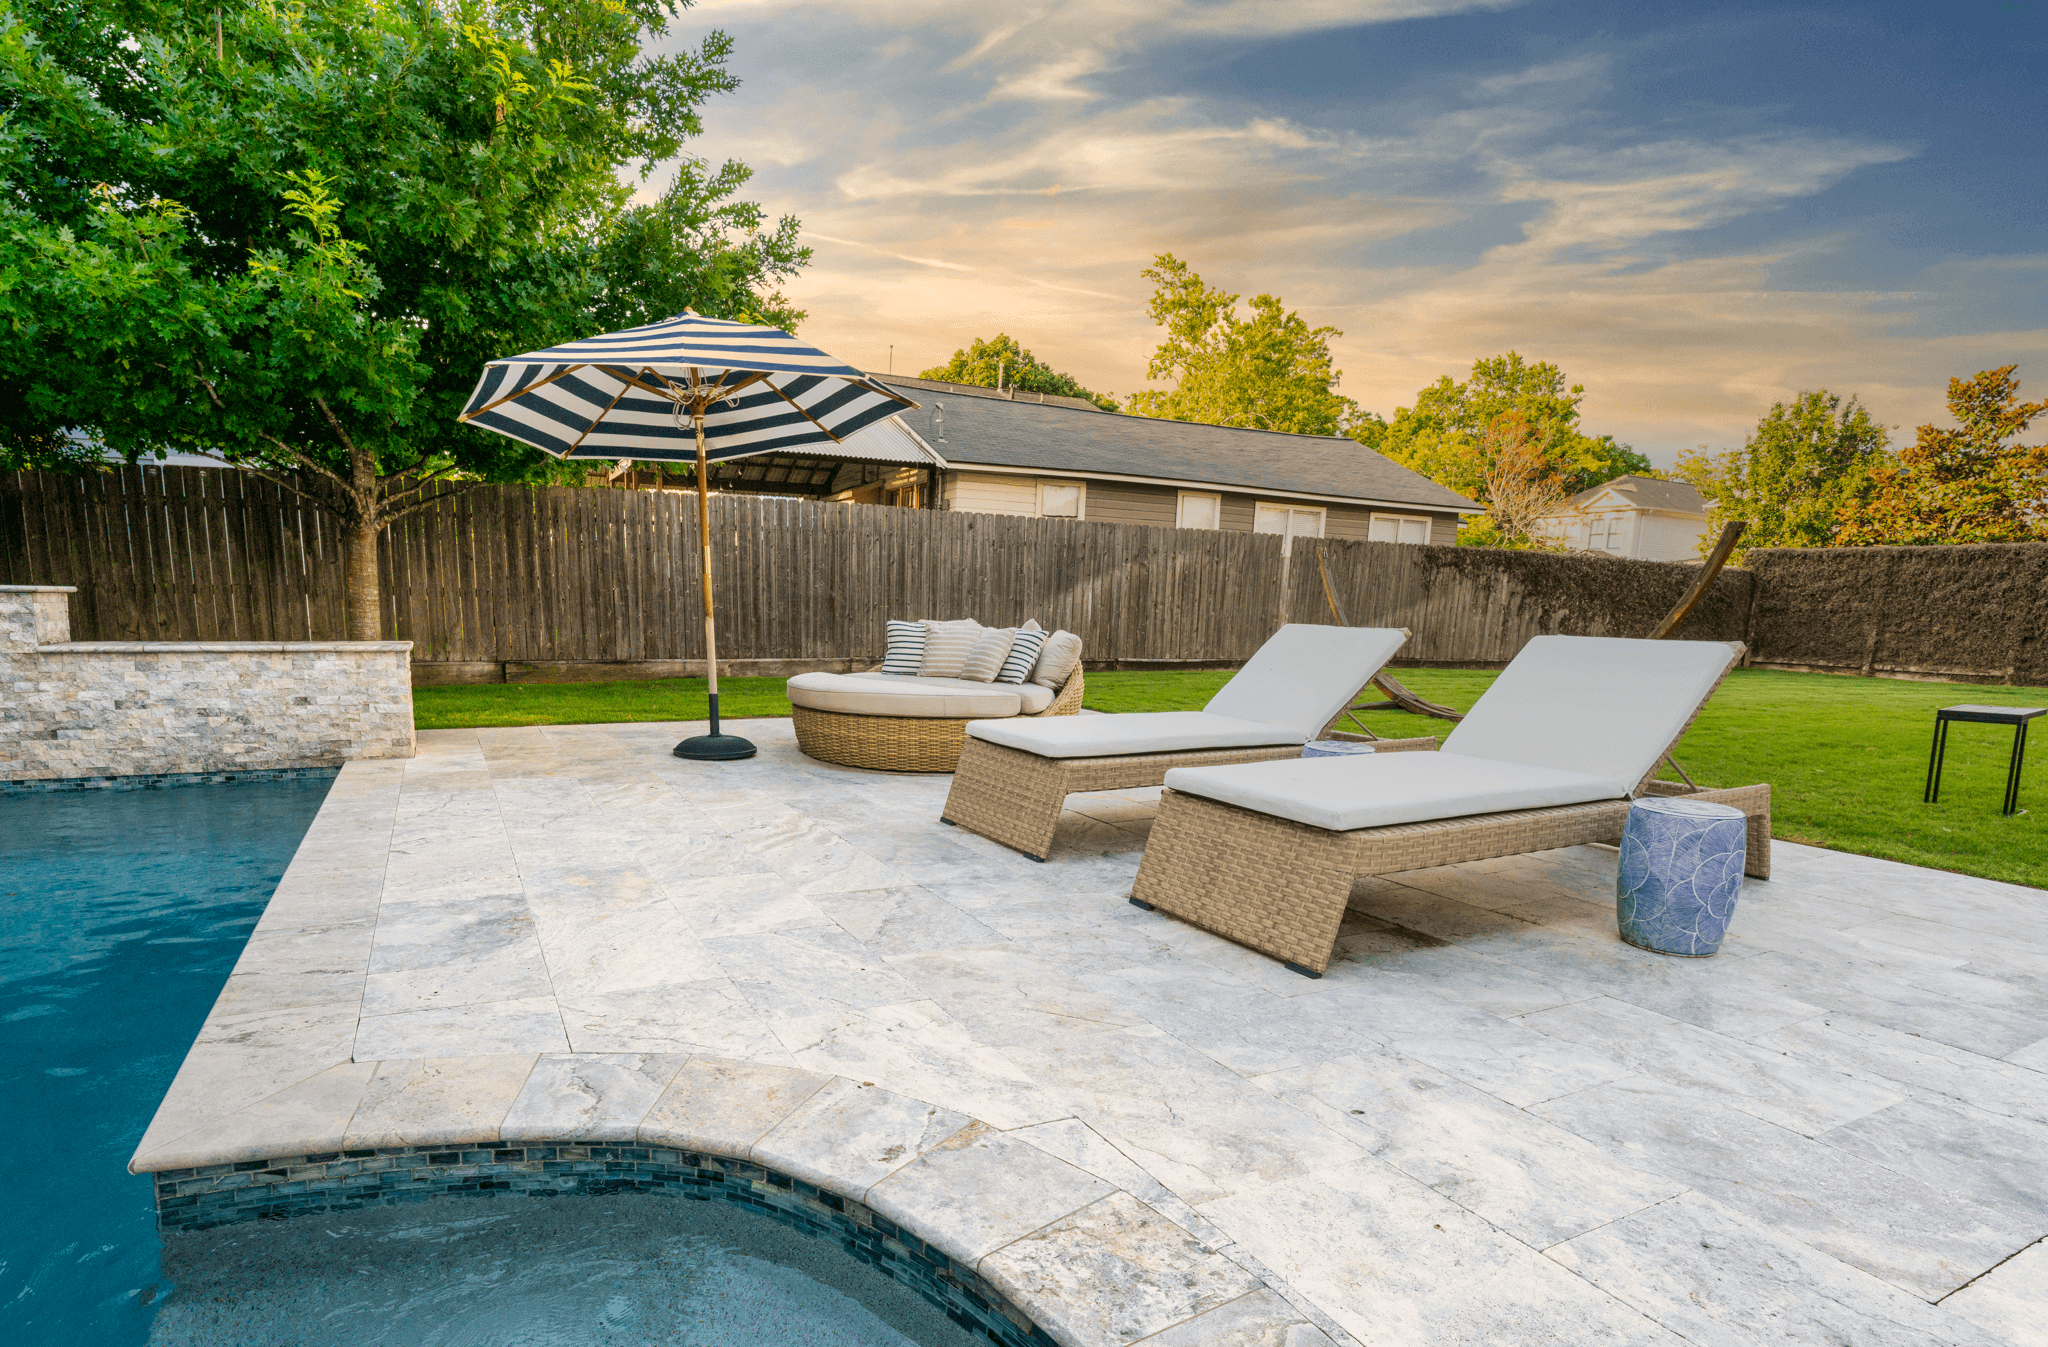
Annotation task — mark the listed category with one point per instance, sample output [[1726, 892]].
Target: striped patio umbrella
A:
[[687, 386]]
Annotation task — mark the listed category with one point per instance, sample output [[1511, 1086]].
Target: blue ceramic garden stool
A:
[[1681, 872]]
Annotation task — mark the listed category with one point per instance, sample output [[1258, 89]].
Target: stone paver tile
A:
[[708, 1016], [1113, 1272], [1439, 968], [1879, 991], [1261, 1319], [1720, 1279], [723, 1107], [528, 1025], [218, 1079], [1923, 1066], [1393, 1262], [303, 1118], [1085, 1148], [904, 921], [741, 904], [593, 951], [792, 974], [1916, 1237], [2011, 1300], [1531, 1178], [813, 861], [1200, 1129], [1771, 1085], [917, 1049], [434, 1101], [979, 1190], [589, 1096], [849, 1136], [1997, 1161], [2034, 1056]]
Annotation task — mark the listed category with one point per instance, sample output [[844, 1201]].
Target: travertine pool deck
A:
[[1492, 1122]]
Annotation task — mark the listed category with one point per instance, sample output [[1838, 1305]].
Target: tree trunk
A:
[[365, 597]]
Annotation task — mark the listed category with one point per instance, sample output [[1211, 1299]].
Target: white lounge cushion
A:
[[1304, 675], [1030, 696], [1341, 794], [891, 695], [1131, 732], [1602, 705]]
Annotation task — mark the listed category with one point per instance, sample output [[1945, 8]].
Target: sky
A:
[[1695, 210]]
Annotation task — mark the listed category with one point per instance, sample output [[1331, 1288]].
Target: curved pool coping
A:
[[1078, 1260]]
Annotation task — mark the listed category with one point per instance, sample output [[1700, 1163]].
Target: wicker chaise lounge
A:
[[1265, 853], [1014, 775]]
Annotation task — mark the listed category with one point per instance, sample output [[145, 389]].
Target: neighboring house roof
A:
[[973, 391], [982, 428], [1647, 493]]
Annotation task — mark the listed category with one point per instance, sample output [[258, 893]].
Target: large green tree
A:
[[1269, 370], [1972, 484], [1807, 461], [981, 363], [290, 236], [1444, 435]]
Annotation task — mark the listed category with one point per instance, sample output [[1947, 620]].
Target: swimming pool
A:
[[121, 914]]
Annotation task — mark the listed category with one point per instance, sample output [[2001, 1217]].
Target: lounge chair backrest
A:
[[1304, 675], [1605, 706]]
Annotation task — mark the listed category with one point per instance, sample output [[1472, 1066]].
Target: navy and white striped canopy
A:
[[616, 396]]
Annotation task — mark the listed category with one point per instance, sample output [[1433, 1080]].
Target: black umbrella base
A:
[[715, 748]]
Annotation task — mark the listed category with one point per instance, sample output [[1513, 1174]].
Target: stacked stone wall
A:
[[128, 708]]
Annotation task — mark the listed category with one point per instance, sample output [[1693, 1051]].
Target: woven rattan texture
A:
[[901, 743]]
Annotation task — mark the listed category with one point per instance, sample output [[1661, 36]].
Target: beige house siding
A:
[[1158, 506]]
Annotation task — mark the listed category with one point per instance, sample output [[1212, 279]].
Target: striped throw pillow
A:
[[946, 646], [1024, 648], [985, 661], [906, 648]]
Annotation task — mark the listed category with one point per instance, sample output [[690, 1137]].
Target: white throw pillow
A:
[[1058, 660], [985, 660], [945, 647], [905, 653], [1023, 657]]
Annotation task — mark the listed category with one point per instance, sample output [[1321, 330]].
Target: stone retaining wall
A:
[[125, 708]]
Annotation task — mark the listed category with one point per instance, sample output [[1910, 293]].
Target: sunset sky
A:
[[1695, 209]]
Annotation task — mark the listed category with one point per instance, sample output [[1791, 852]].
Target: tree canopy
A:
[[981, 362], [1444, 435], [291, 236], [1806, 462], [1267, 371], [1967, 485]]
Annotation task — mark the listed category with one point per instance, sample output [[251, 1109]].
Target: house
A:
[[1646, 518], [1055, 457]]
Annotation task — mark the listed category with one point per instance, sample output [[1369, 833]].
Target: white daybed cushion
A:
[[1031, 697], [1131, 732], [1304, 675], [893, 695], [1341, 794], [1602, 705]]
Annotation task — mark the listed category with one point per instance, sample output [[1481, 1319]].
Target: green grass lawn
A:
[[1845, 757]]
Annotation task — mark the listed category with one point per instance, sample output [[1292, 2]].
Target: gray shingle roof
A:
[[1651, 493], [990, 430]]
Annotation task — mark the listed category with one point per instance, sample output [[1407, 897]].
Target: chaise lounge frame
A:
[[1280, 887], [902, 743]]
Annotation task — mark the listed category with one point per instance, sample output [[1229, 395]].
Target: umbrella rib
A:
[[806, 415], [521, 392], [624, 386]]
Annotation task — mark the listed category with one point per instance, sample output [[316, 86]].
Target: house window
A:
[[1200, 511], [1398, 528], [1289, 521], [1060, 500], [1607, 532]]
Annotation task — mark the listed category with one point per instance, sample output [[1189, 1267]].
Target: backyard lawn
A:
[[1846, 757]]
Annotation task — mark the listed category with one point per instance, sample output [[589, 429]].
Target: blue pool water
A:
[[121, 914]]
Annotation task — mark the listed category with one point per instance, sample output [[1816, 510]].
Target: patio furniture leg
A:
[[1270, 883], [1007, 796]]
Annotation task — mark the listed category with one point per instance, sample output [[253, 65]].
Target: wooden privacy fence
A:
[[547, 579]]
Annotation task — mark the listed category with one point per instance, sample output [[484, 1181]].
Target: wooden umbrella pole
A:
[[704, 542]]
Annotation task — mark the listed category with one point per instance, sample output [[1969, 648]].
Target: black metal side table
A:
[[2015, 716]]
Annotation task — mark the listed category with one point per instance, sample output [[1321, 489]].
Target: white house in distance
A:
[[1645, 518]]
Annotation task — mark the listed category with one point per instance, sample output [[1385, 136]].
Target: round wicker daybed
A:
[[903, 724]]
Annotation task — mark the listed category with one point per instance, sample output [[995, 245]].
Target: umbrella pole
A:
[[712, 747]]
